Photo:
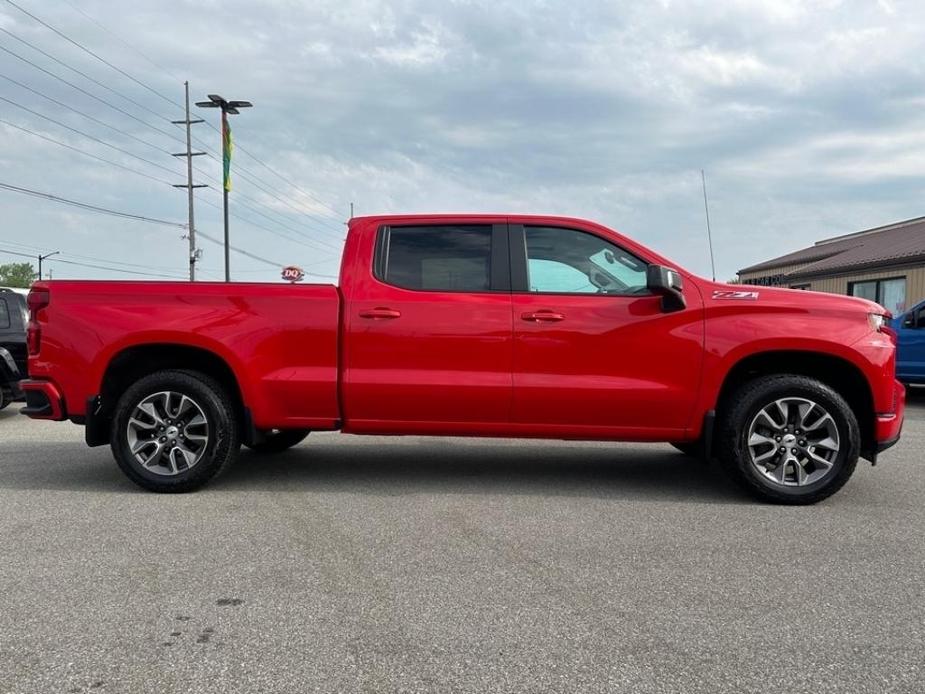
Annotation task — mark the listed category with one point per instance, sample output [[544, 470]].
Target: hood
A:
[[790, 298]]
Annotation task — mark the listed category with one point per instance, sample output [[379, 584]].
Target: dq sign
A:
[[293, 274]]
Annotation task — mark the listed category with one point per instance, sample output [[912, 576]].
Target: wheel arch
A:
[[844, 377], [137, 361]]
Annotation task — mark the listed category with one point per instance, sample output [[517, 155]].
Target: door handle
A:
[[380, 313], [544, 316]]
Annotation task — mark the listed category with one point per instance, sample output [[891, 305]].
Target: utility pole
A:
[[194, 253], [42, 257], [228, 107]]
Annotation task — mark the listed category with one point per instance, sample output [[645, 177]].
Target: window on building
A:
[[438, 258], [889, 293]]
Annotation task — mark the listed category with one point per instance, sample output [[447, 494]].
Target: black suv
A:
[[13, 319]]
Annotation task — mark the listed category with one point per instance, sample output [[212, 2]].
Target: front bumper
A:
[[43, 401]]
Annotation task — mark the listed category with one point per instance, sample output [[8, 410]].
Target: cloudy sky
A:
[[808, 117]]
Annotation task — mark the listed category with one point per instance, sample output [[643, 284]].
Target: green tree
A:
[[17, 275]]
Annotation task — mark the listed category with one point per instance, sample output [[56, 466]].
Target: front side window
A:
[[4, 314], [565, 261], [437, 258]]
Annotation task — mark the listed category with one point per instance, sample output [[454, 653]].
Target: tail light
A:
[[39, 298]]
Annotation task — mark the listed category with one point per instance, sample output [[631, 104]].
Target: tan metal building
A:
[[885, 264]]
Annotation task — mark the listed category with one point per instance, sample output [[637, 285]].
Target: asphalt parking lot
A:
[[380, 565]]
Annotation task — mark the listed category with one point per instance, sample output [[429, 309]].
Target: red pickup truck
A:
[[472, 325]]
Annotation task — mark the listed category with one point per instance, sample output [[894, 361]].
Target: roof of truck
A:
[[472, 216]]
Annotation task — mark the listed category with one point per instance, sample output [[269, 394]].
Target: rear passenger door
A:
[[429, 341]]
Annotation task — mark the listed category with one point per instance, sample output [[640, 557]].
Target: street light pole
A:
[[227, 107], [42, 257]]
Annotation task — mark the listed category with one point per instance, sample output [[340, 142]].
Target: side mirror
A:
[[909, 320], [668, 284]]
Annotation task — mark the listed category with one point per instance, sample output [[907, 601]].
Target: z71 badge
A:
[[741, 296]]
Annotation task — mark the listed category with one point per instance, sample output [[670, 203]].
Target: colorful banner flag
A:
[[227, 148]]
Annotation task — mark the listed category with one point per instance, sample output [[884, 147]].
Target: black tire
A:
[[220, 449], [279, 441], [6, 397], [744, 405]]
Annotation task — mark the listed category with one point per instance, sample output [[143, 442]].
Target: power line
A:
[[335, 213], [257, 257], [242, 169], [301, 234], [117, 269], [121, 40], [208, 237], [81, 113], [89, 52], [145, 266], [83, 134], [74, 69], [94, 266], [139, 82], [89, 207], [85, 153], [154, 91], [254, 224], [154, 178], [301, 237], [324, 224], [16, 55]]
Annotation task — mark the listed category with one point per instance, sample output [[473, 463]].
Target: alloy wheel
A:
[[168, 433], [793, 442]]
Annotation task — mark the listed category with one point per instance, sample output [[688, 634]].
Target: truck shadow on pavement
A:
[[377, 467], [448, 466]]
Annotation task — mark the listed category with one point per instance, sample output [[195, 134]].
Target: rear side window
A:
[[444, 258], [4, 314]]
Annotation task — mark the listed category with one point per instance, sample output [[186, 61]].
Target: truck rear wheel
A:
[[173, 431], [279, 440], [788, 439]]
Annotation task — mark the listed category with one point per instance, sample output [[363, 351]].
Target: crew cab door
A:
[[428, 339], [593, 349], [910, 352]]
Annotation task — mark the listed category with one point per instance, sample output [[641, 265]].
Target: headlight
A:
[[876, 321]]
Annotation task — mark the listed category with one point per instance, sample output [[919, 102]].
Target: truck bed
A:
[[280, 341]]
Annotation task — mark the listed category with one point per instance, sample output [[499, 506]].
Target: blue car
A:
[[910, 356]]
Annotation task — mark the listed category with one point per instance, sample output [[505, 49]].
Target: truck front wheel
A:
[[173, 431], [788, 439]]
